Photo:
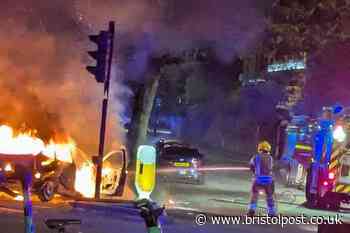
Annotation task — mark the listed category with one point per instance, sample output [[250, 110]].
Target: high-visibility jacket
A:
[[262, 165]]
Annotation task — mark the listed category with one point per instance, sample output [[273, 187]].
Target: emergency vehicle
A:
[[303, 159], [294, 150], [328, 180]]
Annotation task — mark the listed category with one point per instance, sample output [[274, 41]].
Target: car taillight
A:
[[331, 176]]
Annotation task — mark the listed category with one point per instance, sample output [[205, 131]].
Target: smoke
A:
[[43, 44], [150, 27], [43, 82]]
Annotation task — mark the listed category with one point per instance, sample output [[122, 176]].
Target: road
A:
[[227, 193], [11, 221], [224, 193]]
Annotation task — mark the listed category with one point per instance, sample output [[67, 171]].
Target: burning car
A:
[[50, 176], [55, 169], [52, 170]]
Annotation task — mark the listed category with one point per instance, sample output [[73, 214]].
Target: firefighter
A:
[[323, 144], [323, 140], [261, 165]]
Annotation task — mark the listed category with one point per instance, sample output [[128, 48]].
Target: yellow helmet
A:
[[264, 146]]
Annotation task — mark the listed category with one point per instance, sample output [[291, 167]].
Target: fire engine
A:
[[328, 178], [295, 152], [316, 155]]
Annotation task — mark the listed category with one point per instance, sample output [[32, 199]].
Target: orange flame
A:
[[28, 144], [62, 152], [23, 143], [85, 180]]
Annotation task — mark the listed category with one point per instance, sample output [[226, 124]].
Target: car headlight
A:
[[339, 134]]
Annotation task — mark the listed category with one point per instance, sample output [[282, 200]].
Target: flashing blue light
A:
[[286, 66], [337, 109]]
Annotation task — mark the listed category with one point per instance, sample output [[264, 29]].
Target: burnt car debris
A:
[[50, 177]]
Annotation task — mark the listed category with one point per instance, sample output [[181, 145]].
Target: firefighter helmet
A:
[[264, 146]]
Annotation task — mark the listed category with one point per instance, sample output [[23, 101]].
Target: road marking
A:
[[11, 210]]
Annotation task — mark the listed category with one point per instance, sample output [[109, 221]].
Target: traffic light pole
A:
[[104, 112]]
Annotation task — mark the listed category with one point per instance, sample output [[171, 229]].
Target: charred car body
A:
[[49, 176], [52, 176]]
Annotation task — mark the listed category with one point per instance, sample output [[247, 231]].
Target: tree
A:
[[143, 102], [306, 26], [304, 29]]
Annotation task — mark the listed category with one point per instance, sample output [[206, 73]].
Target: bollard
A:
[[145, 177], [27, 202]]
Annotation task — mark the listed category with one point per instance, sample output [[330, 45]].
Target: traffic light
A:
[[102, 72], [100, 55]]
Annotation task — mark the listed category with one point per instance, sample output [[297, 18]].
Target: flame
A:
[[85, 180], [19, 198], [26, 143], [106, 171], [23, 143], [62, 152]]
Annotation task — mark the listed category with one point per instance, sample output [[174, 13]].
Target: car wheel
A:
[[311, 198], [289, 181], [312, 201], [335, 206], [332, 202], [284, 175], [47, 191]]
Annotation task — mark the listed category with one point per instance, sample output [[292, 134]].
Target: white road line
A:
[[3, 209]]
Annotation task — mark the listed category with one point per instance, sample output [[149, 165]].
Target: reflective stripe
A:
[[303, 147], [339, 188], [271, 209], [252, 206], [261, 179], [334, 164], [347, 189], [257, 165]]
